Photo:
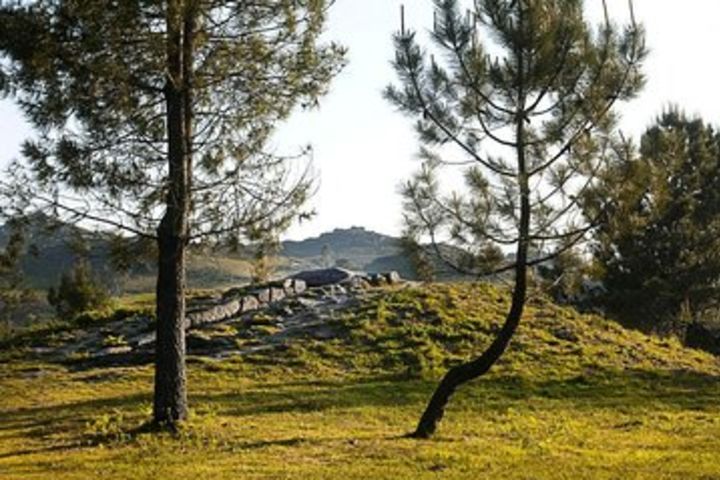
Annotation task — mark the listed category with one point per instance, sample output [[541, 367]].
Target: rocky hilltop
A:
[[299, 305]]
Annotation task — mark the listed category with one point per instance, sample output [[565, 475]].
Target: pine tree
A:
[[13, 291], [658, 244], [520, 96], [79, 291], [153, 117]]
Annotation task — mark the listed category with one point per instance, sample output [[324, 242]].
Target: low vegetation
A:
[[576, 396]]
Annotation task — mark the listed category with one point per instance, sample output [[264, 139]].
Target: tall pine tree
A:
[[659, 243], [153, 117], [520, 96]]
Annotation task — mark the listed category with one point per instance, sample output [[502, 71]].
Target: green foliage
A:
[[563, 278], [12, 289], [658, 246], [420, 261], [264, 258], [94, 78], [78, 292], [535, 84], [156, 115]]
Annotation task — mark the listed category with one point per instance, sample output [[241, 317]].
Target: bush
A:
[[78, 292]]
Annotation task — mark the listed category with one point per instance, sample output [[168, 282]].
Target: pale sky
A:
[[364, 149]]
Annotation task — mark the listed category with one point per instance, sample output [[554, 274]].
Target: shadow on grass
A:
[[632, 390], [628, 389], [39, 422]]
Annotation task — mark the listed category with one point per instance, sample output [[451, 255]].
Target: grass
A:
[[575, 397]]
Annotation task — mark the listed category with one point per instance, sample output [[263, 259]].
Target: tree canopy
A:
[[519, 95], [659, 244], [91, 76], [154, 117]]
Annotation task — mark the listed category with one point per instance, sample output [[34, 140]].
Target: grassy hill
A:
[[576, 396]]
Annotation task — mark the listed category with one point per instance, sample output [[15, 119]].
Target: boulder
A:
[[376, 280], [276, 294], [393, 277], [217, 313], [117, 350], [143, 340], [325, 276], [262, 295], [358, 283], [249, 303], [298, 286]]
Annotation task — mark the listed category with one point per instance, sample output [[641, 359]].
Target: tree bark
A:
[[170, 399], [466, 372]]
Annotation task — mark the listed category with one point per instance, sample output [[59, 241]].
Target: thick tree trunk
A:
[[170, 400], [466, 372]]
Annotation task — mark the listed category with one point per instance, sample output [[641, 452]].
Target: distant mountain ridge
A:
[[342, 240], [355, 248], [54, 251]]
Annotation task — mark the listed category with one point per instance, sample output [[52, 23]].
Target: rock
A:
[[325, 276], [113, 351], [42, 350], [217, 313], [359, 283], [142, 340], [376, 279], [392, 277], [249, 304], [276, 294], [286, 285], [262, 295], [333, 292], [308, 303], [298, 286]]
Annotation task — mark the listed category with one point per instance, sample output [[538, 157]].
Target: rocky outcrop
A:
[[280, 310], [239, 301], [236, 302]]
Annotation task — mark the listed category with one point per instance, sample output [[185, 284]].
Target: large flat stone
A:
[[325, 276]]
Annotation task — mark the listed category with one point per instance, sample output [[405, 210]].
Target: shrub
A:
[[78, 292]]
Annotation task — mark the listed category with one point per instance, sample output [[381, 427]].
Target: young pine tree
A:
[[78, 291], [520, 97]]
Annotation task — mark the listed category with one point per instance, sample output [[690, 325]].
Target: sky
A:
[[364, 149]]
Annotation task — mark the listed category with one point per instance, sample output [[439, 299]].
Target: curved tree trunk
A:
[[466, 372]]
